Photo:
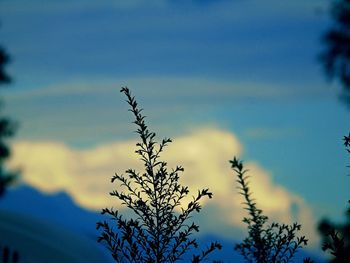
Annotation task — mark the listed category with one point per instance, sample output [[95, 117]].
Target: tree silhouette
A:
[[7, 130], [8, 256], [336, 61], [159, 231], [336, 56], [336, 237], [4, 59], [266, 243]]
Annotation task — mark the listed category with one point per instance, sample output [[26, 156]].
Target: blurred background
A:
[[221, 78]]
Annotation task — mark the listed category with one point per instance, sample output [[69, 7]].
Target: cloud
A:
[[188, 88], [204, 153], [61, 110]]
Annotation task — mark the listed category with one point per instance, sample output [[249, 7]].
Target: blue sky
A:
[[248, 68]]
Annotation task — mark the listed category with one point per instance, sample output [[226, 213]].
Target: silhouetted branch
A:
[[157, 232], [336, 238], [336, 56], [272, 243]]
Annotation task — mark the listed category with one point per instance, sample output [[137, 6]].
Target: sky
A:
[[221, 78]]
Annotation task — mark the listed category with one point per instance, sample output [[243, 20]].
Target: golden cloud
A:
[[204, 153]]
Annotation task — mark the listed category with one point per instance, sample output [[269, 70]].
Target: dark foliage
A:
[[336, 57], [347, 142], [265, 242], [7, 129], [336, 237], [158, 232], [8, 256], [4, 59]]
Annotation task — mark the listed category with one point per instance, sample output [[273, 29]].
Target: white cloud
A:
[[60, 111], [162, 87], [85, 175]]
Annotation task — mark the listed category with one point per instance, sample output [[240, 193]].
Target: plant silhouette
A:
[[4, 59], [159, 231], [336, 56], [8, 256], [265, 243], [7, 130], [336, 61], [336, 237]]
